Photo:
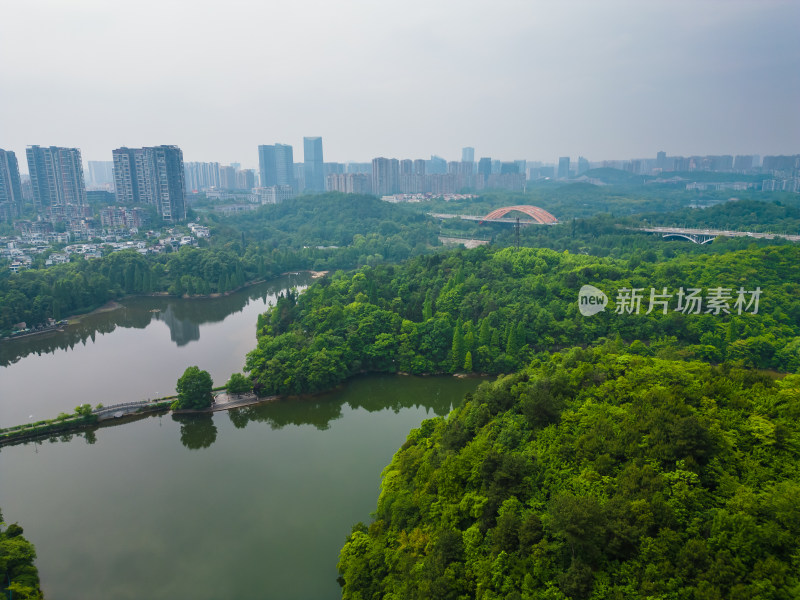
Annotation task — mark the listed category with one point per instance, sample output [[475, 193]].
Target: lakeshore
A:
[[117, 304]]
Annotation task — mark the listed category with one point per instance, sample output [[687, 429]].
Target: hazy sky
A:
[[513, 78]]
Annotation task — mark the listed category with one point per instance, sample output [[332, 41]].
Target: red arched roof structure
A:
[[539, 215]]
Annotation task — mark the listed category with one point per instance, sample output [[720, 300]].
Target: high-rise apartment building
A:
[[563, 167], [276, 163], [201, 175], [164, 169], [468, 154], [245, 179], [313, 165], [227, 178], [152, 175], [385, 176], [56, 177], [661, 160], [485, 168], [10, 185], [436, 165], [126, 178]]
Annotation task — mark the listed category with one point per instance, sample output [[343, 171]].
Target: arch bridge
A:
[[539, 215], [697, 238]]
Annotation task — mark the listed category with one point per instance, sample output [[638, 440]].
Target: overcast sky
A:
[[513, 78]]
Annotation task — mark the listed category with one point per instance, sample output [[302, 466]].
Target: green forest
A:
[[593, 474], [18, 575], [492, 310]]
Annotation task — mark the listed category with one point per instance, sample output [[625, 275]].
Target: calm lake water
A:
[[133, 353], [253, 503]]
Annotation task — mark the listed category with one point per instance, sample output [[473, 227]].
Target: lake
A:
[[253, 503]]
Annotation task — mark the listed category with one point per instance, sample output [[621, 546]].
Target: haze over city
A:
[[515, 80]]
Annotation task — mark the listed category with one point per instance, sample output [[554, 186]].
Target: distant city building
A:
[[563, 167], [10, 185], [227, 178], [201, 176], [508, 168], [121, 217], [152, 175], [349, 183], [299, 177], [468, 154], [274, 194], [485, 168], [514, 182], [335, 168], [128, 172], [583, 165], [101, 172], [385, 176], [661, 160], [57, 179], [773, 164], [356, 167], [276, 163], [743, 163], [436, 166], [313, 164], [245, 179]]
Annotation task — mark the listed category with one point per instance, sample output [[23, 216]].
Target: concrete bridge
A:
[[704, 236], [124, 408]]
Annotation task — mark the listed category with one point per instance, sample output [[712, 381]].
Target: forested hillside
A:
[[593, 474], [491, 310]]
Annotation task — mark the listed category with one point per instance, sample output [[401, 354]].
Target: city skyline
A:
[[533, 81]]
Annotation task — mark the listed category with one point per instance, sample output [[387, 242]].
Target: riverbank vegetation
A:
[[330, 231], [593, 473], [491, 310], [81, 418], [18, 575]]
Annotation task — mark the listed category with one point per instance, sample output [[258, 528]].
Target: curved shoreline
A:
[[113, 305]]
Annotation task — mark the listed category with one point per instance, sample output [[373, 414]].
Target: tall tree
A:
[[194, 389]]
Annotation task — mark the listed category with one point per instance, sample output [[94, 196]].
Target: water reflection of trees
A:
[[183, 317], [436, 395], [197, 431]]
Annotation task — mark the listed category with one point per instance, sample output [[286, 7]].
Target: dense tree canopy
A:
[[502, 306], [593, 474], [194, 389], [18, 575]]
